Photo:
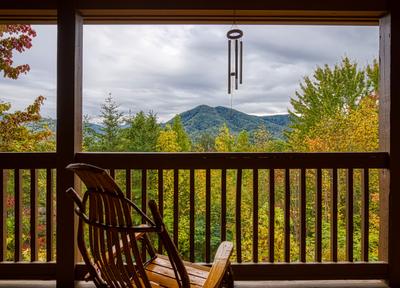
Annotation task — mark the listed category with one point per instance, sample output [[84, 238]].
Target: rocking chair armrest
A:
[[220, 265]]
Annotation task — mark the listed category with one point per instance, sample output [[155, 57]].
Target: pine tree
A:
[[110, 138], [142, 133]]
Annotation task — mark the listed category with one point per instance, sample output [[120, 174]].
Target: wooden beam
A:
[[34, 160], [297, 271], [203, 11], [389, 248], [69, 132], [234, 160], [27, 271]]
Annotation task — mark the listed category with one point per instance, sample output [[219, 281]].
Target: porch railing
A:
[[290, 215]]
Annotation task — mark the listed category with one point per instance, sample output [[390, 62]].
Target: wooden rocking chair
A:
[[118, 253]]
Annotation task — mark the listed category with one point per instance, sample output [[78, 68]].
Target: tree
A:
[[182, 137], [142, 133], [168, 141], [224, 141], [205, 143], [330, 92], [17, 136], [91, 138], [110, 138], [242, 143], [356, 132], [14, 38]]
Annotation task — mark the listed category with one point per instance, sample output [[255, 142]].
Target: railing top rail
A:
[[28, 160], [235, 160]]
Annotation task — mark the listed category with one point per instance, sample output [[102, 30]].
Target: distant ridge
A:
[[206, 119]]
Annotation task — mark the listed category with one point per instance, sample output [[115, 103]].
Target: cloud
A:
[[172, 68]]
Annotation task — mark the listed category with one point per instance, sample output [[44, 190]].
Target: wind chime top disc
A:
[[234, 34]]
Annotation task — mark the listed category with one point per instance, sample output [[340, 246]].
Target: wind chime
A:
[[235, 76]]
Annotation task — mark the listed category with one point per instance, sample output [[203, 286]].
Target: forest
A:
[[333, 110]]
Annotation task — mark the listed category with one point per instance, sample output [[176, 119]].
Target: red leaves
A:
[[14, 38]]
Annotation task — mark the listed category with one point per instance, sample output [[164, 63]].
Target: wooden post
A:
[[69, 133], [389, 93]]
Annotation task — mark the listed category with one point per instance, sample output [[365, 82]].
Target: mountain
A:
[[206, 119]]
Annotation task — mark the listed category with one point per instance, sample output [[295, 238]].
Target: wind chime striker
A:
[[235, 76]]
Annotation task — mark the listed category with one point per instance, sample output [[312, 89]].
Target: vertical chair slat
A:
[[128, 183], [318, 216], [18, 215], [334, 227], [160, 201], [349, 215], [176, 207], [303, 215], [255, 215], [34, 214], [208, 215], [287, 215], [238, 217], [271, 236], [364, 214], [191, 215], [49, 214], [3, 214], [223, 204]]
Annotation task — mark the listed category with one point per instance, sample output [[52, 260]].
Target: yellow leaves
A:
[[354, 131], [168, 141], [17, 136]]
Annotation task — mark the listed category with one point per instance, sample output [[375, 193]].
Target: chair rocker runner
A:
[[119, 253]]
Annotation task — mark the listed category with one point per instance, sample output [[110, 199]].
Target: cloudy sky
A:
[[172, 68]]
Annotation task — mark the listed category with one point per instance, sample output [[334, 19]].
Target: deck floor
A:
[[239, 284]]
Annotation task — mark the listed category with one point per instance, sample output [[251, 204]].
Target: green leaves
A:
[[330, 94]]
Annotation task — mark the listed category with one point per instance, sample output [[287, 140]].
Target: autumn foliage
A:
[[14, 38]]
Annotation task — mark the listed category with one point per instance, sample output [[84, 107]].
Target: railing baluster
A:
[[112, 173], [334, 200], [238, 217], [18, 215], [303, 215], [191, 212], [349, 215], [49, 215], [364, 214], [287, 215], [34, 214], [160, 201], [318, 216], [144, 191], [128, 183], [223, 204], [176, 207], [255, 215], [3, 214], [144, 205], [271, 236], [208, 215]]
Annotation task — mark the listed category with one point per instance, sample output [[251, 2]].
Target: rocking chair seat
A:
[[160, 270]]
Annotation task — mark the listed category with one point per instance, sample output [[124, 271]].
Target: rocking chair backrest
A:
[[114, 258]]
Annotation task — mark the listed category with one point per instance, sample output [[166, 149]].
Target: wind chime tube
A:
[[229, 67], [241, 62], [236, 63]]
